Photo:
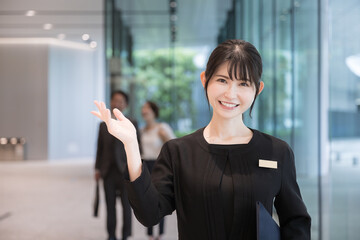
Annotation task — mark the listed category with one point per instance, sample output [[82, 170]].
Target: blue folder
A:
[[266, 227]]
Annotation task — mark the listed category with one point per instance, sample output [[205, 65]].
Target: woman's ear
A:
[[202, 77], [261, 87]]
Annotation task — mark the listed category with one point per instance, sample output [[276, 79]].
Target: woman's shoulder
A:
[[275, 143], [163, 124], [186, 140]]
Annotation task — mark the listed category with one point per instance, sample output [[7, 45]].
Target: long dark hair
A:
[[154, 108]]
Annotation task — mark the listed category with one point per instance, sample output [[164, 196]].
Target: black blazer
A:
[[110, 151], [187, 176]]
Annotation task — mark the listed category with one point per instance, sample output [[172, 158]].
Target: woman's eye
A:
[[221, 80], [244, 84]]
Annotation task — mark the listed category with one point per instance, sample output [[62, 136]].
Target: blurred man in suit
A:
[[110, 166]]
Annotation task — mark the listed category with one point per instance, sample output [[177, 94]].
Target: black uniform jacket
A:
[[187, 176]]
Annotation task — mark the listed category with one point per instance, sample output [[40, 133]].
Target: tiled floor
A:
[[53, 201]]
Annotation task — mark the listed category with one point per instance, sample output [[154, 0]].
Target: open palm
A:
[[121, 128]]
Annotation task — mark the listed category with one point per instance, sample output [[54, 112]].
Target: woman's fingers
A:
[[97, 114], [102, 105], [103, 108], [104, 113], [97, 105], [107, 115], [118, 114]]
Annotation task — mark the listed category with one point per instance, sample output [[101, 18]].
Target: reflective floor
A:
[[341, 191], [53, 201]]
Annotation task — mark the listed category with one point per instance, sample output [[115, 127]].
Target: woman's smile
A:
[[228, 105]]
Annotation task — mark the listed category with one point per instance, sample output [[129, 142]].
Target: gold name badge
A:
[[267, 164]]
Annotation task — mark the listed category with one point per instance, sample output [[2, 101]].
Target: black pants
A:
[[114, 187], [150, 165]]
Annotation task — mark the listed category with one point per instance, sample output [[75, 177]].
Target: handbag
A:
[[96, 200]]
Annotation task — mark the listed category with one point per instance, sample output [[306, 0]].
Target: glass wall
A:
[[311, 98], [305, 106], [267, 108], [167, 72], [344, 120], [118, 45]]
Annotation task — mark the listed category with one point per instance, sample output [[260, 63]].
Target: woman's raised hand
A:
[[121, 128]]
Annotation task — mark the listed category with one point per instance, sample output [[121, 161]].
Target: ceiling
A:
[[72, 19], [197, 22]]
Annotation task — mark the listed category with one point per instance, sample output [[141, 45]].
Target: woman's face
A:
[[229, 98], [147, 113]]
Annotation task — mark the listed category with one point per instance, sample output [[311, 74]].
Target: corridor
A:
[[53, 201]]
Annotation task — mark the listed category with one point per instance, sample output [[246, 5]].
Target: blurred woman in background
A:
[[153, 135]]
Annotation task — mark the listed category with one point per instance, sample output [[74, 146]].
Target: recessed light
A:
[[85, 37], [173, 17], [172, 4], [30, 13], [13, 141], [93, 44], [3, 141], [47, 26]]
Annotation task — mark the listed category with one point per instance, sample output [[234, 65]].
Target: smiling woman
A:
[[214, 177], [240, 62], [233, 96]]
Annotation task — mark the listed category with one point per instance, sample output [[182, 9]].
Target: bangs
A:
[[241, 69]]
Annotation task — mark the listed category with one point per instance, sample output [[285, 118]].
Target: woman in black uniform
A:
[[214, 176]]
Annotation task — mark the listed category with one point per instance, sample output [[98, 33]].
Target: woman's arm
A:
[[124, 130], [295, 222], [153, 197]]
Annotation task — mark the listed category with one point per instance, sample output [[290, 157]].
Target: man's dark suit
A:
[[111, 162]]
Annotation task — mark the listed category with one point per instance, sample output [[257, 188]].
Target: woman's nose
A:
[[230, 91]]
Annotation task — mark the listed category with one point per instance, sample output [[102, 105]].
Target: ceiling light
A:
[[93, 44], [3, 141], [173, 17], [173, 4], [85, 37], [30, 13], [61, 36], [47, 26], [353, 63]]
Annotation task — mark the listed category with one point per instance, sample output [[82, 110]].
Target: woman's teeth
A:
[[229, 104]]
